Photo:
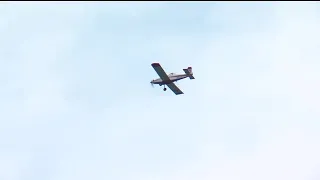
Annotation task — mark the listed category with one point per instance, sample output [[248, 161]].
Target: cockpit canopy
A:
[[172, 74]]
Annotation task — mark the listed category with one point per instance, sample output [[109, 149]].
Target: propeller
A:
[[152, 84]]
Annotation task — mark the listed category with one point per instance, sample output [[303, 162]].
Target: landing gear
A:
[[164, 87]]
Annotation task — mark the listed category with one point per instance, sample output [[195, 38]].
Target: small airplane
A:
[[169, 79]]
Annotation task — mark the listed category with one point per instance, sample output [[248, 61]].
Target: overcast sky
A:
[[76, 100]]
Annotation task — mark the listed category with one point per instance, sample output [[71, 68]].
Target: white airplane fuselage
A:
[[173, 78]]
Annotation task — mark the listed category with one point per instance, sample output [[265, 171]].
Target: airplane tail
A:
[[189, 72]]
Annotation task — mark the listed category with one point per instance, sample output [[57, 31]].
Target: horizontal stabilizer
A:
[[189, 72]]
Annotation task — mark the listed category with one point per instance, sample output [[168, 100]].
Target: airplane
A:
[[169, 79]]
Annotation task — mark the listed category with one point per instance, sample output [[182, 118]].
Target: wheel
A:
[[165, 89]]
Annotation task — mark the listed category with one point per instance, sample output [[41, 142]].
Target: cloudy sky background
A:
[[76, 102]]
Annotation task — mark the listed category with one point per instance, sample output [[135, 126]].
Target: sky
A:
[[76, 100]]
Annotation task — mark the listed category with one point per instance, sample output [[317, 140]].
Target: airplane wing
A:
[[174, 88], [157, 67]]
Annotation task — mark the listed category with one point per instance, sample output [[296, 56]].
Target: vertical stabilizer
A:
[[189, 72]]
